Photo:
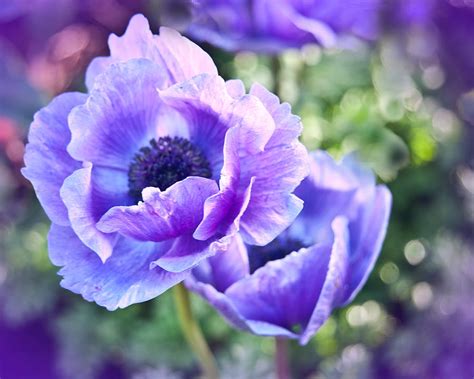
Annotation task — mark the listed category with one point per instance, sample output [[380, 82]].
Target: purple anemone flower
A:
[[273, 25], [289, 287], [158, 166]]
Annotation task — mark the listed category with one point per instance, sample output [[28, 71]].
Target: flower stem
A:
[[193, 333], [282, 366], [276, 73]]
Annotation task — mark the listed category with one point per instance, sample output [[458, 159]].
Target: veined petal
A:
[[203, 101], [182, 57], [179, 58], [46, 159], [185, 253], [88, 193], [283, 292], [120, 116], [163, 214], [278, 170], [126, 278]]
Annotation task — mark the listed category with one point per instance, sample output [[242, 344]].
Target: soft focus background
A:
[[402, 101]]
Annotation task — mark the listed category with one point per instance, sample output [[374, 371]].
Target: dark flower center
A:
[[165, 162], [279, 248]]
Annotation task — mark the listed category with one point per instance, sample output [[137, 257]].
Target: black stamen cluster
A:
[[165, 162], [279, 248]]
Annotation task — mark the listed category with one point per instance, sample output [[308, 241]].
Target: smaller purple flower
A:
[[270, 26], [157, 167], [289, 287]]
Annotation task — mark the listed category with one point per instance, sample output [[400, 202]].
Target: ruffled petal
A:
[[125, 279], [46, 159], [179, 58], [163, 214], [182, 58], [278, 170], [120, 116], [367, 233], [88, 193], [255, 154], [203, 101], [186, 252], [235, 88], [248, 148], [223, 211], [272, 207]]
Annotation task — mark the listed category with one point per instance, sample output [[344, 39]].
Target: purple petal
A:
[[137, 42], [283, 292], [245, 144], [278, 170], [219, 301], [223, 211], [367, 233], [119, 117], [328, 191], [186, 252], [222, 270], [163, 214], [46, 159], [334, 282], [126, 278], [203, 101], [88, 193], [182, 58], [235, 88], [272, 207], [179, 58]]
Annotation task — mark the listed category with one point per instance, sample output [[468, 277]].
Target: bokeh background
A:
[[402, 102]]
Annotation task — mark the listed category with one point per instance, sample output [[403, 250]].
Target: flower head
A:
[[158, 166], [270, 26], [289, 287]]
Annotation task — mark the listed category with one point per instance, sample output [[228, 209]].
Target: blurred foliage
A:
[[370, 100]]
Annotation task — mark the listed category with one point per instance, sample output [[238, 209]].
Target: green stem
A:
[[193, 333], [276, 73], [282, 367]]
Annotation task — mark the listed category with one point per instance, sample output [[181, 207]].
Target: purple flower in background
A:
[[158, 166], [270, 26], [289, 287]]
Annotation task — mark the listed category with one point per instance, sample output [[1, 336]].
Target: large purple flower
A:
[[289, 287], [158, 166], [273, 25]]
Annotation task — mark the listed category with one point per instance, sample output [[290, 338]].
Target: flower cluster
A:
[[164, 172], [158, 166]]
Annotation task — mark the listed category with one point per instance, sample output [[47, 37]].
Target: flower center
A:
[[279, 248], [165, 162]]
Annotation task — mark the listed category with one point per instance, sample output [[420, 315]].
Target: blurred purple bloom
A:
[[158, 166], [289, 287], [445, 28], [270, 26]]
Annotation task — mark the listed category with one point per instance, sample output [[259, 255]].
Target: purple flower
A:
[[270, 26], [289, 287], [158, 166]]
